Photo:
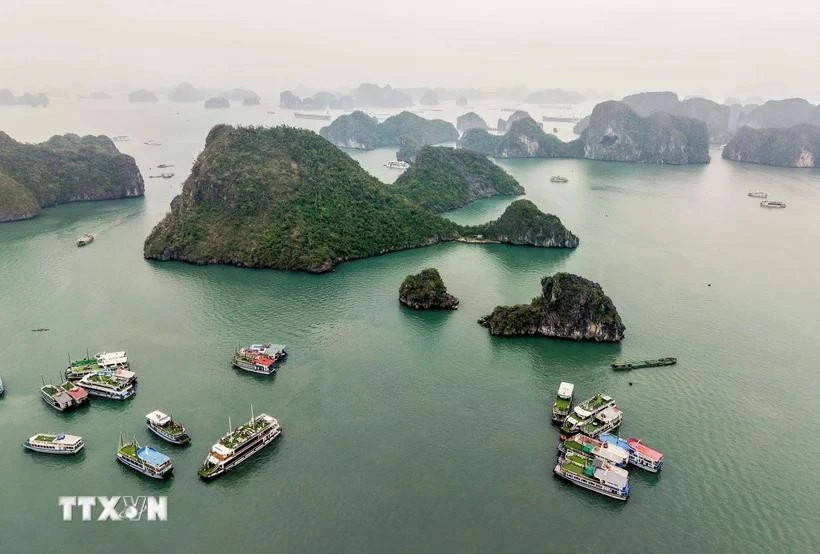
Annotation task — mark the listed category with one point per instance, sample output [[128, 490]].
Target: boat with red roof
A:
[[640, 454], [259, 358]]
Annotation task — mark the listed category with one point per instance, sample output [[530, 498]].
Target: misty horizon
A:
[[693, 49]]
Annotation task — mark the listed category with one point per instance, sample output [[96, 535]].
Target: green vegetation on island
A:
[[443, 179], [426, 291], [285, 198], [66, 168], [569, 307], [522, 223], [359, 130], [470, 120]]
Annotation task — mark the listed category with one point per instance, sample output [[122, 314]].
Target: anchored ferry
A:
[[65, 396], [596, 475], [397, 164], [78, 369], [563, 402], [772, 204], [259, 358], [112, 360], [54, 444], [580, 446], [640, 455], [163, 426], [604, 421], [758, 194], [240, 444], [85, 239], [144, 459], [583, 412], [106, 385]]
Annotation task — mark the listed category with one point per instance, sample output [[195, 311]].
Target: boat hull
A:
[[34, 448], [611, 492], [231, 464], [253, 368]]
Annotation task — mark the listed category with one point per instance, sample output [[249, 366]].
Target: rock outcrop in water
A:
[[426, 291], [522, 223], [505, 125], [470, 120], [782, 113], [369, 95], [217, 102], [38, 100], [186, 92], [617, 133], [715, 116], [285, 198], [66, 168], [359, 130], [251, 101], [569, 307], [797, 146], [319, 101], [443, 179], [142, 96], [429, 98]]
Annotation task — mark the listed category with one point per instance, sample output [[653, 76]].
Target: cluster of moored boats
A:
[[590, 455], [108, 375]]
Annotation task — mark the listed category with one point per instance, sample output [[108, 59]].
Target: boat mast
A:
[[230, 427], [251, 412]]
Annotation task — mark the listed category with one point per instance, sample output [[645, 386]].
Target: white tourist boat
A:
[[595, 475], [640, 454], [603, 422], [582, 413], [772, 204], [240, 444], [563, 402], [106, 385], [164, 426], [86, 239], [144, 459], [397, 164], [54, 444], [584, 447], [112, 360], [758, 194]]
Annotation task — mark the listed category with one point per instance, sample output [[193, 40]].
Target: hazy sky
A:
[[622, 46]]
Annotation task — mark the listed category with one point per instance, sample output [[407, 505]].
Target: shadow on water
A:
[[158, 485], [508, 257], [55, 461], [426, 320]]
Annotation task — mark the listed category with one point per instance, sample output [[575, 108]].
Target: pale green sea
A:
[[418, 432]]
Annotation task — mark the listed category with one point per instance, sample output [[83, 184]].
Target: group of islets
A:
[[589, 454], [109, 375]]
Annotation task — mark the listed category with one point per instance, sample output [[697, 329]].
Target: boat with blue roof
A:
[[144, 459], [581, 447], [640, 455]]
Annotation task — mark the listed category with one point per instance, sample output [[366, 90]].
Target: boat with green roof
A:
[[144, 459], [563, 402], [240, 444], [107, 385], [596, 475], [583, 413], [54, 443], [78, 369]]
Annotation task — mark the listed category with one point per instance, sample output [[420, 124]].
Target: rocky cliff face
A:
[[66, 168], [522, 223], [569, 307], [359, 130], [715, 116], [426, 291], [617, 133], [443, 179], [505, 125], [142, 96], [374, 96], [781, 113], [216, 102], [797, 146], [470, 120], [186, 92], [39, 99], [526, 139]]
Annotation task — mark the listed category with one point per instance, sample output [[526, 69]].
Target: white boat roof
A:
[[158, 417], [609, 413], [112, 357], [124, 373], [59, 438], [565, 390], [614, 476], [582, 413]]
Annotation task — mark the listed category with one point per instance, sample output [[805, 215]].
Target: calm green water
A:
[[418, 432]]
